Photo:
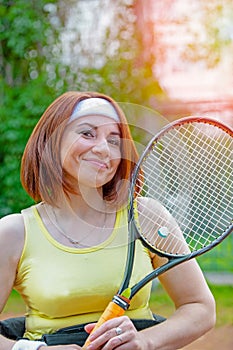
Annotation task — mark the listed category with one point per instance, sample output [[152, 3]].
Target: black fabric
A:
[[77, 334], [14, 328]]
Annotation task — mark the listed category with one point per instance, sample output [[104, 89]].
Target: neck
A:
[[88, 207], [88, 202], [79, 222]]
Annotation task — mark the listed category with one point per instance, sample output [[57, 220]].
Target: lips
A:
[[97, 162]]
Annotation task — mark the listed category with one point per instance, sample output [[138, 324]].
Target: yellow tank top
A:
[[64, 286]]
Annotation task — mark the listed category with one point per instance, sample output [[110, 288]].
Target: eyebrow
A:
[[96, 127]]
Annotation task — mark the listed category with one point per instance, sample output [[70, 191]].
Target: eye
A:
[[114, 140], [87, 133]]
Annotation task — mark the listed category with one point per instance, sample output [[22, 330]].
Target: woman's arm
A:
[[195, 308], [11, 245]]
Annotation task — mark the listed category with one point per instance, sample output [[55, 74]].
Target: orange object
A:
[[112, 310]]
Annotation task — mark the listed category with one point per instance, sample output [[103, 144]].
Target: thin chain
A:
[[76, 244]]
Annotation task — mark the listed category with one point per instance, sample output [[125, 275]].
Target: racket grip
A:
[[115, 308]]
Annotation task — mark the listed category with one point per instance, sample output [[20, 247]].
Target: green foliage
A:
[[19, 114], [24, 92], [22, 28]]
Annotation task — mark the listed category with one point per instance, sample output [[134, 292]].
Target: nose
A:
[[101, 147]]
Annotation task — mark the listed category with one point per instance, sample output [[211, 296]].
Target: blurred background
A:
[[170, 58]]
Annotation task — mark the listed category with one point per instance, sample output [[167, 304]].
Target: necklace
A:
[[76, 244]]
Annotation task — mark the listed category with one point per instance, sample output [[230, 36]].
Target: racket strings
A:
[[206, 191], [189, 172]]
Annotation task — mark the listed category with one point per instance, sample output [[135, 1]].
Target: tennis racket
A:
[[180, 199]]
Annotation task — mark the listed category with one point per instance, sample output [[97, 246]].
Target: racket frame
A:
[[132, 227]]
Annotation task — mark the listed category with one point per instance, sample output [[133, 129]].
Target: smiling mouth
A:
[[97, 163]]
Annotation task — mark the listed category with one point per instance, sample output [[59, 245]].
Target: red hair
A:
[[41, 169]]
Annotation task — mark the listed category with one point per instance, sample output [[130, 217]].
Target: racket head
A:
[[181, 194]]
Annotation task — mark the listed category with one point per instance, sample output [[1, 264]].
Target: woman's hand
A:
[[118, 333]]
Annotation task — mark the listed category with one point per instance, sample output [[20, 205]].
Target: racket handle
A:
[[115, 308]]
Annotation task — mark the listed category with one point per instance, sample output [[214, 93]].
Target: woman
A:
[[66, 254]]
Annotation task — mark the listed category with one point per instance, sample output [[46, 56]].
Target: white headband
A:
[[94, 106]]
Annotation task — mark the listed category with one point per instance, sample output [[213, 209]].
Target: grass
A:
[[218, 259], [223, 297], [14, 305], [160, 303]]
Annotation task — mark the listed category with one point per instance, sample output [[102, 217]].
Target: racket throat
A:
[[121, 301]]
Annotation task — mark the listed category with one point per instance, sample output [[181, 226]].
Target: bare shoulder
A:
[[12, 234], [150, 205], [12, 224]]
